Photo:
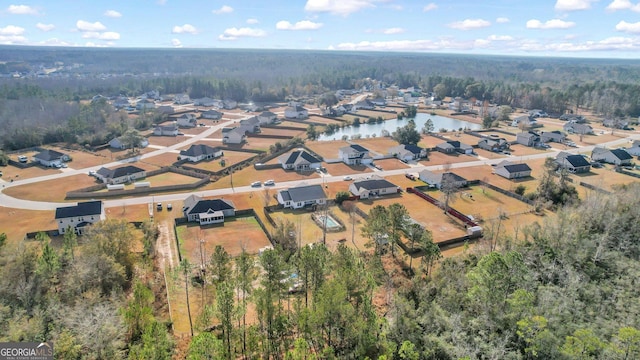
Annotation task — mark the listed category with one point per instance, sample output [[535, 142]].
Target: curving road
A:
[[11, 202]]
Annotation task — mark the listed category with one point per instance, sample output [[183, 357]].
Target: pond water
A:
[[368, 130]]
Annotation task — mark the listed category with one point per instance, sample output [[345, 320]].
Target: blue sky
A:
[[577, 28]]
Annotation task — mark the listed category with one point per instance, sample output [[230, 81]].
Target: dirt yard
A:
[[56, 190], [327, 149], [380, 145], [230, 157], [16, 223]]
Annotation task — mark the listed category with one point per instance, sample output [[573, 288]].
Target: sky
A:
[[569, 28]]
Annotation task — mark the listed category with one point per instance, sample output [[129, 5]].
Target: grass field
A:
[[391, 164], [380, 145], [230, 157], [233, 235], [56, 190], [327, 149], [438, 158], [16, 223]]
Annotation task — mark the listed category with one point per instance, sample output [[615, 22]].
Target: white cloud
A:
[[429, 7], [608, 44], [393, 31], [22, 10], [628, 27], [571, 5], [11, 30], [252, 21], [184, 29], [339, 7], [502, 20], [550, 24], [469, 24], [300, 25], [87, 26], [55, 42], [500, 38], [108, 35], [176, 43], [112, 14], [235, 33], [406, 45], [45, 27], [225, 9], [623, 5]]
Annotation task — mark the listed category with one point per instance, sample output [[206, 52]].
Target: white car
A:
[[256, 184], [347, 178], [269, 182]]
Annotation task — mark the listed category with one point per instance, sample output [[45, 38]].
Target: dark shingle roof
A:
[[118, 172], [87, 208], [293, 157], [358, 148], [414, 149], [204, 206], [199, 149], [304, 193], [374, 184], [621, 154], [513, 168], [577, 161], [48, 155]]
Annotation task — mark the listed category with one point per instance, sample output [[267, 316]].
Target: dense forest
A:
[[37, 109]]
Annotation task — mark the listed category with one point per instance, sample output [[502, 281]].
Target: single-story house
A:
[[496, 145], [234, 135], [206, 212], [267, 117], [50, 158], [379, 102], [354, 154], [635, 148], [573, 118], [251, 125], [182, 99], [406, 152], [573, 163], [299, 160], [301, 196], [205, 101], [535, 113], [615, 156], [440, 179], [528, 138], [616, 123], [212, 115], [121, 103], [145, 104], [451, 146], [120, 175], [77, 217], [573, 127], [510, 170], [187, 120], [166, 130], [295, 111], [552, 136], [375, 186], [363, 104], [199, 152], [524, 119], [229, 104], [117, 143]]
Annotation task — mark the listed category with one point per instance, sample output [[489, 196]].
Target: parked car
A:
[[169, 207], [256, 184], [22, 159], [269, 182], [410, 176], [159, 206], [347, 178], [92, 173]]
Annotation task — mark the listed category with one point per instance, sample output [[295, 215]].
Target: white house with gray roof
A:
[[374, 186], [199, 152], [205, 212], [407, 152], [511, 170], [438, 179], [354, 154], [267, 117], [614, 156], [120, 175], [78, 217], [299, 160], [295, 111], [301, 196], [166, 130]]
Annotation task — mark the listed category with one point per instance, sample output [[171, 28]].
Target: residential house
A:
[[524, 119], [434, 101], [121, 102], [165, 109], [79, 216], [510, 170], [229, 104], [634, 150], [573, 118], [379, 102], [299, 160], [343, 109], [406, 152], [496, 145], [295, 111], [451, 146], [205, 212], [301, 196], [50, 158], [374, 186], [460, 104], [615, 156], [536, 113], [552, 136], [438, 180], [199, 152], [267, 117], [166, 130], [145, 104], [212, 115], [187, 121], [616, 123], [235, 135], [528, 138], [365, 104], [120, 175], [117, 143], [182, 99], [577, 128], [573, 163], [205, 101], [354, 154], [251, 125]]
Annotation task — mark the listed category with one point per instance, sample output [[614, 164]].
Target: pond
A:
[[369, 130]]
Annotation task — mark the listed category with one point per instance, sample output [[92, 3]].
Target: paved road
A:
[[12, 202]]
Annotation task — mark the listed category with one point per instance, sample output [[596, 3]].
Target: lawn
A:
[[380, 145], [14, 173], [158, 161], [16, 223], [234, 235], [340, 169], [283, 132], [429, 141], [484, 203], [56, 190], [165, 140], [365, 114], [438, 158], [230, 157], [326, 149], [391, 164]]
